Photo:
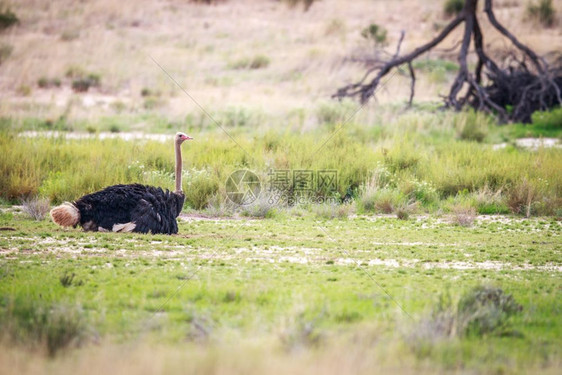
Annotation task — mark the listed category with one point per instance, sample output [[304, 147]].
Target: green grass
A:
[[291, 284], [425, 157]]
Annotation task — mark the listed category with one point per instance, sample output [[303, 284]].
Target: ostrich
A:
[[127, 208]]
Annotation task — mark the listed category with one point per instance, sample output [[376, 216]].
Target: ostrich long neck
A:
[[178, 167]]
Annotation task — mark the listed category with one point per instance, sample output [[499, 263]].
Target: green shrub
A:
[[484, 310], [69, 35], [114, 128], [453, 7], [81, 85], [41, 324], [81, 80], [7, 18], [521, 196], [45, 83], [5, 52], [259, 62], [548, 119], [543, 12], [402, 156], [199, 186], [384, 200], [306, 3], [75, 71], [25, 90], [256, 62], [473, 125], [375, 34]]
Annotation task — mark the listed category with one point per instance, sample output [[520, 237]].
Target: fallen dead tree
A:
[[512, 92]]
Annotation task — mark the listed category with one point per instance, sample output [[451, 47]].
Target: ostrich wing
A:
[[156, 215]]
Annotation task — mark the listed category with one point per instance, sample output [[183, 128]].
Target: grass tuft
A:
[[36, 208], [543, 12], [464, 215]]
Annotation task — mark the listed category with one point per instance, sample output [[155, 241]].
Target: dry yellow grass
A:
[[197, 44]]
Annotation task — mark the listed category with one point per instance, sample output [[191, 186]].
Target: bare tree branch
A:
[[512, 87]]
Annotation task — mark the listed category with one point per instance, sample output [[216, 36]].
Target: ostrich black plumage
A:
[[127, 208]]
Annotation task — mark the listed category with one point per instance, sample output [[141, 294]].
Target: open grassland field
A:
[[294, 294], [437, 250]]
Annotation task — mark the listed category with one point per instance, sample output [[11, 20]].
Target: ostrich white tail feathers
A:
[[126, 228], [66, 215]]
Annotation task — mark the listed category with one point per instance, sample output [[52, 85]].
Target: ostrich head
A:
[[181, 137]]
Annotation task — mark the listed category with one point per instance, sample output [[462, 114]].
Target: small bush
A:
[[543, 12], [45, 83], [25, 90], [490, 202], [148, 92], [257, 62], [383, 200], [375, 34], [473, 125], [298, 332], [484, 310], [404, 210], [70, 35], [5, 52], [36, 208], [521, 197], [75, 71], [464, 215], [306, 3], [114, 129], [453, 7], [548, 119], [37, 323], [7, 18], [66, 279], [82, 81], [402, 214], [81, 85]]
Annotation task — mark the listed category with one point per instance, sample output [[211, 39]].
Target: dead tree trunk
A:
[[512, 93]]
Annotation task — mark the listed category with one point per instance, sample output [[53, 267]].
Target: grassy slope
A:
[[201, 46]]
